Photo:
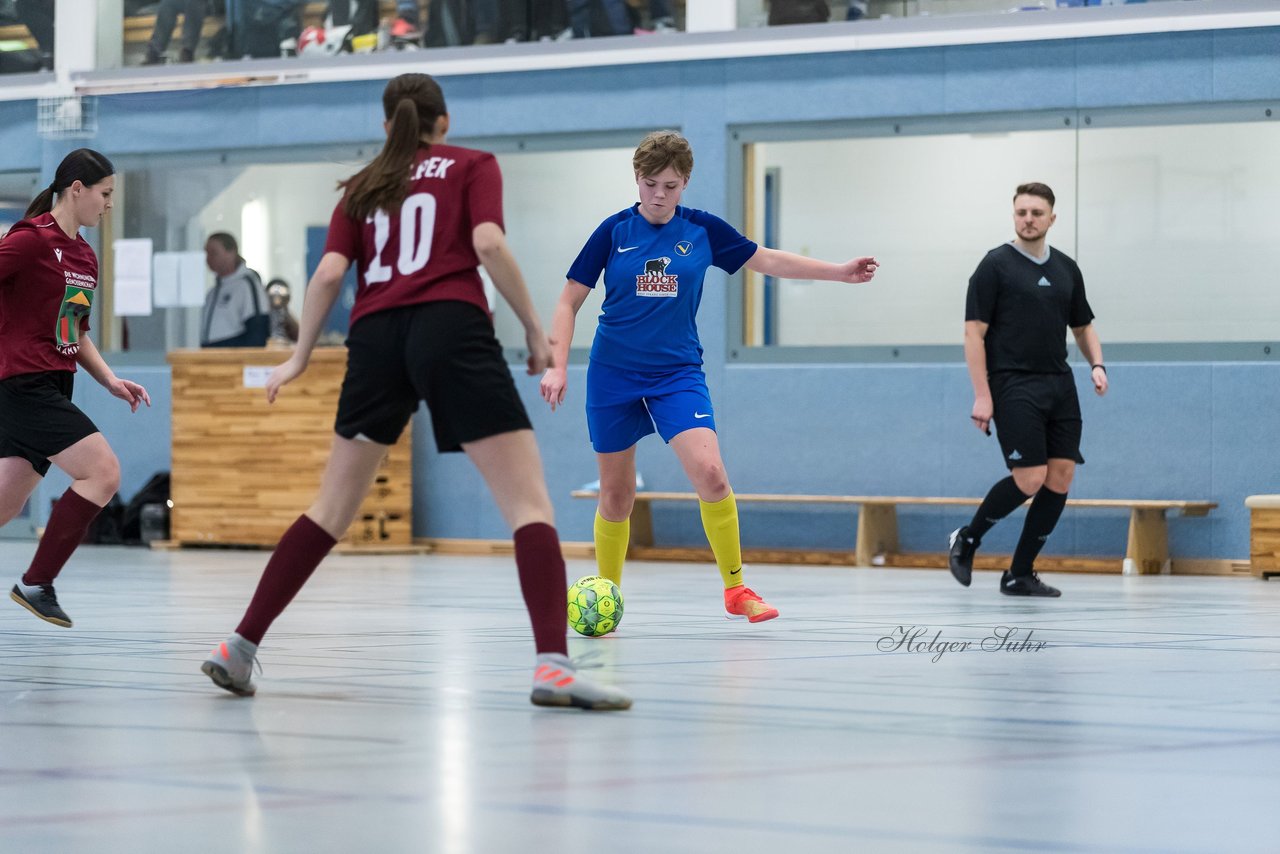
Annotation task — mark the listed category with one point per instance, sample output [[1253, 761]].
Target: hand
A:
[[859, 270], [540, 356], [1099, 377], [284, 374], [982, 412], [553, 385], [130, 392]]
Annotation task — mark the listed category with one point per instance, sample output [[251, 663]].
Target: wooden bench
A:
[[1147, 552]]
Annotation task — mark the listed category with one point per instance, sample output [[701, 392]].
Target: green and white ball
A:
[[595, 606]]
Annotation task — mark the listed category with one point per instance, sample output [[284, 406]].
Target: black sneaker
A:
[[43, 604], [961, 558], [1026, 585]]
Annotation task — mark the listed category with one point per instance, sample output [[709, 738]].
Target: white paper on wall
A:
[[132, 279]]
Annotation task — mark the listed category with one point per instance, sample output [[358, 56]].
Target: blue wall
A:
[[1178, 430]]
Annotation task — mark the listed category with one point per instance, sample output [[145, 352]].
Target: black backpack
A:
[[155, 491]]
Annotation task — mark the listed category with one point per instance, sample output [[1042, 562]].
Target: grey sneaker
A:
[[231, 665], [558, 682], [43, 602]]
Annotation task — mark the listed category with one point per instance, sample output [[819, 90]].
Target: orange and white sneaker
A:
[[231, 665], [742, 601], [558, 682]]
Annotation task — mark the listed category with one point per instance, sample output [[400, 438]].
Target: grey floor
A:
[[393, 715]]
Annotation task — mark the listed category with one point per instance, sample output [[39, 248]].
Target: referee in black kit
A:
[[1021, 298]]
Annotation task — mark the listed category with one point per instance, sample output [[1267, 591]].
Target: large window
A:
[[279, 213], [17, 189], [1168, 215]]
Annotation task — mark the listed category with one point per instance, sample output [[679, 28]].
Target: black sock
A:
[[1003, 499], [1042, 518]]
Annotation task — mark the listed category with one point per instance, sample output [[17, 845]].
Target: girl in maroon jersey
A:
[[417, 222], [48, 281]]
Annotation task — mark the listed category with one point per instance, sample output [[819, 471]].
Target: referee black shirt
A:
[[1027, 306]]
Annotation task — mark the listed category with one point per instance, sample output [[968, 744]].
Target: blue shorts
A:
[[624, 406]]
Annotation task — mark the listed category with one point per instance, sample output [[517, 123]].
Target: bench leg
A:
[[1148, 551], [641, 525], [877, 532]]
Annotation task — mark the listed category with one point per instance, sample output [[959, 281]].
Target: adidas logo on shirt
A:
[[1044, 283], [1015, 456]]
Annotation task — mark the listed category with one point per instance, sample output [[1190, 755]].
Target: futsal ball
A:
[[595, 606]]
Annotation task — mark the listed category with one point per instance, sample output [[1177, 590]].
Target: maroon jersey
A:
[[47, 286], [423, 252]]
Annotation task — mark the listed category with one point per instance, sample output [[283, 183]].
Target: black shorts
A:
[[442, 352], [1037, 417], [38, 419]]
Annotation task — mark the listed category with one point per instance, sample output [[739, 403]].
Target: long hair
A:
[[84, 165], [412, 103]]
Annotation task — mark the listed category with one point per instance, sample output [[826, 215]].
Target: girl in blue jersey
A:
[[645, 370]]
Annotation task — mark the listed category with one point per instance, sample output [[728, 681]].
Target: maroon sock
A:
[[68, 523], [300, 551], [541, 566]]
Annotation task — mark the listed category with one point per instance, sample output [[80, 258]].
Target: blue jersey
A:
[[653, 284]]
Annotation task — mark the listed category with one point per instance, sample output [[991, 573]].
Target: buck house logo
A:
[[655, 282]]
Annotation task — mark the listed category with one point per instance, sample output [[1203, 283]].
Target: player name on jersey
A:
[[432, 167]]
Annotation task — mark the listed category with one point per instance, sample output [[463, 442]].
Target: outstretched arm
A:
[[322, 293], [788, 265], [556, 378], [492, 250], [95, 366]]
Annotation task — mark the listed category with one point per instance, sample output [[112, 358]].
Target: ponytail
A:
[[84, 165], [411, 103], [384, 182], [41, 204]]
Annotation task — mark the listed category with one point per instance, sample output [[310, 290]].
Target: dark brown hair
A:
[[661, 149], [412, 103], [1035, 188], [84, 165], [226, 241]]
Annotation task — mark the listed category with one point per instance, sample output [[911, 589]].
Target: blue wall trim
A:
[[1185, 430]]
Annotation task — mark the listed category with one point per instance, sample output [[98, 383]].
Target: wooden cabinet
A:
[[243, 469], [1264, 534]]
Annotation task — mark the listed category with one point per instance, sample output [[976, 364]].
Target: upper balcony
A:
[[88, 47]]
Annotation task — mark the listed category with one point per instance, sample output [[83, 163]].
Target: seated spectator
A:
[[615, 20], [37, 15], [193, 14], [284, 326], [236, 310], [661, 18], [798, 12]]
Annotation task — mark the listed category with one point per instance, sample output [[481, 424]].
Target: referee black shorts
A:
[[1037, 417], [38, 419], [444, 353]]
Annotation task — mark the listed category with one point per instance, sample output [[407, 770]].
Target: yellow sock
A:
[[720, 521], [611, 546]]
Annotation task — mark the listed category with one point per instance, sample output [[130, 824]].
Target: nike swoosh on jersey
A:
[[702, 415], [627, 249]]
